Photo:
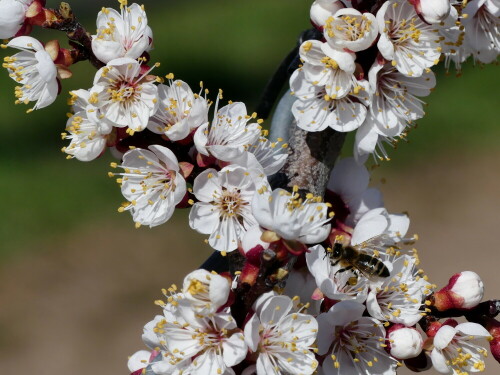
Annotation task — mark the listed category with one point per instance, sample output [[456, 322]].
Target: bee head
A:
[[337, 250]]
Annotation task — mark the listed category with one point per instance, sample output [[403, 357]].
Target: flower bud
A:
[[404, 342], [432, 11], [464, 291], [321, 10], [493, 327]]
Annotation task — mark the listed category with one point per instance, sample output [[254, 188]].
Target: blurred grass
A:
[[230, 45]]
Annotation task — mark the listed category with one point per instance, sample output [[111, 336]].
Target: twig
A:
[[63, 19], [481, 314]]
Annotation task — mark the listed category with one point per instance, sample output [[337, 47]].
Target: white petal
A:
[[200, 139], [371, 224], [275, 309], [261, 209], [26, 43], [385, 47], [252, 337], [265, 366], [326, 332], [366, 140], [472, 329], [166, 156], [138, 360], [234, 349], [439, 362], [12, 15], [444, 336], [348, 178], [206, 184]]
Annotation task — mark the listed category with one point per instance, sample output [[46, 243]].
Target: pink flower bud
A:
[[493, 327], [464, 291], [495, 349], [404, 342], [321, 10], [432, 11]]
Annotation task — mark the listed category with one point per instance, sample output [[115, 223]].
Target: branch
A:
[[487, 309], [481, 314], [311, 160], [63, 19]]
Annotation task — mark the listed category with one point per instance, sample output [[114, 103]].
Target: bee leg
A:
[[348, 268], [335, 263]]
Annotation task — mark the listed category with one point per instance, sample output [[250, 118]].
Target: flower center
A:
[[230, 203], [123, 92], [405, 30]]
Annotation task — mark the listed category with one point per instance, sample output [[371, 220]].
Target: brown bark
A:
[[311, 160]]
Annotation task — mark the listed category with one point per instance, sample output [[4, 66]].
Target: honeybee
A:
[[350, 258]]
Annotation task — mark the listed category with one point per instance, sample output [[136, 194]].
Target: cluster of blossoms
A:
[[351, 304], [314, 284], [373, 63]]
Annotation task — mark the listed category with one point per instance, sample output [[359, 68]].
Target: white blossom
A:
[[328, 68], [482, 29], [346, 285], [315, 110], [264, 155], [123, 95], [35, 71], [456, 349], [354, 343], [152, 184], [395, 104], [180, 111], [224, 207], [212, 344], [351, 30], [405, 40], [229, 134], [399, 297], [165, 363], [373, 234], [290, 218], [452, 35], [282, 338], [206, 291], [12, 16], [122, 34], [88, 134]]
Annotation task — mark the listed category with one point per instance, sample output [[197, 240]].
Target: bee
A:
[[350, 258]]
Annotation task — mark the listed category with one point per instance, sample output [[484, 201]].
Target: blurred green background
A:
[[59, 226]]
